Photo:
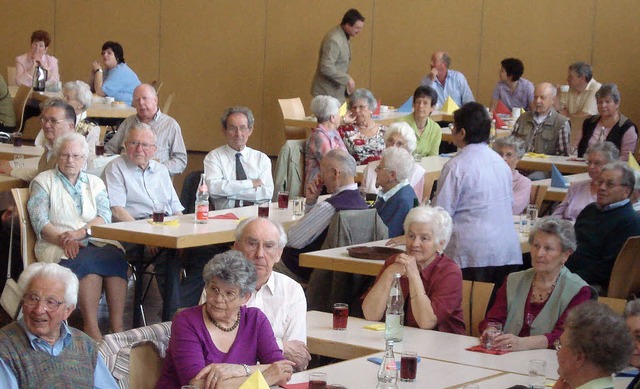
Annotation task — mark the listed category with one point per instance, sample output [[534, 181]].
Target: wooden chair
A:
[[467, 286], [537, 196], [11, 76], [167, 104], [616, 304], [157, 85], [30, 129], [480, 295], [27, 235], [429, 181], [625, 275], [293, 109], [19, 104]]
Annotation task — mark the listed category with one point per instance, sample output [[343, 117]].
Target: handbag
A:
[[11, 294]]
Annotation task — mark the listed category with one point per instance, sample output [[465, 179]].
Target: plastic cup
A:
[[283, 199], [408, 366], [263, 209], [340, 316], [537, 373]]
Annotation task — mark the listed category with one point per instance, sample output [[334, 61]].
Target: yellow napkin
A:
[[343, 109], [522, 111], [536, 155], [170, 223], [449, 105], [633, 163], [255, 381], [374, 327]]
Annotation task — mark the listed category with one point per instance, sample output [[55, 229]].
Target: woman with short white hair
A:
[[398, 134]]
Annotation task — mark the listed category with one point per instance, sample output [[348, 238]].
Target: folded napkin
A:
[[228, 216], [499, 122], [170, 223], [522, 111], [407, 106], [374, 327], [633, 163], [376, 111], [449, 105], [501, 108], [536, 155], [557, 179], [255, 381], [343, 109], [480, 349]]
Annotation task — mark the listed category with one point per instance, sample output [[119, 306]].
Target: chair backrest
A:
[[167, 104], [27, 235], [293, 109], [466, 304], [616, 304], [19, 104], [11, 76], [625, 275], [480, 295], [537, 195], [157, 85], [30, 129], [129, 355], [429, 181]]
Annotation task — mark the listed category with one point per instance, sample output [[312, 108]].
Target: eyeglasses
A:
[[242, 128], [214, 292], [144, 146], [254, 245], [54, 121], [31, 300], [72, 157], [608, 184]]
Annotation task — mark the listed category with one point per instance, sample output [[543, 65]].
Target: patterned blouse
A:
[[363, 149]]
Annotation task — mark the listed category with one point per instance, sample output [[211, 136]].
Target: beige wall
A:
[[217, 53]]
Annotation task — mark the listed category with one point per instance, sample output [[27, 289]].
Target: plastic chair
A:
[[625, 275], [293, 109], [19, 104]]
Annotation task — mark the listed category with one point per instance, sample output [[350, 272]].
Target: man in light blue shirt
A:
[[50, 295], [446, 82]]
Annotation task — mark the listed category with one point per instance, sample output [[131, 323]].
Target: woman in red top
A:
[[532, 304], [431, 282]]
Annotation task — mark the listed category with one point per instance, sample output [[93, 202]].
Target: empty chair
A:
[[293, 109], [19, 104], [625, 275]]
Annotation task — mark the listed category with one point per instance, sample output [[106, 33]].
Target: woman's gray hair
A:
[[600, 334], [436, 218], [398, 160], [632, 308], [607, 90], [363, 94], [51, 271], [232, 268], [404, 130], [73, 137], [282, 235], [561, 228], [83, 92], [608, 150], [510, 141], [323, 107]]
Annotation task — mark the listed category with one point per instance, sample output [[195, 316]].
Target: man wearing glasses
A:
[[41, 350], [603, 227], [170, 149], [138, 186]]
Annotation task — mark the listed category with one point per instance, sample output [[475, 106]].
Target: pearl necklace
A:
[[215, 323], [541, 297]]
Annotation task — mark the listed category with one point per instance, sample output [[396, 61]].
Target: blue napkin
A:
[[378, 360], [557, 179], [407, 106]]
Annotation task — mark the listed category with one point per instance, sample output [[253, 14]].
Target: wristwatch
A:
[[88, 232]]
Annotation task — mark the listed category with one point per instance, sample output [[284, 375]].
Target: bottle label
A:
[[202, 212]]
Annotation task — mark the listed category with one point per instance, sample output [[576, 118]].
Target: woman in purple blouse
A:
[[218, 344]]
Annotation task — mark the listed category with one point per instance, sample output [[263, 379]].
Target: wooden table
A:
[[441, 346], [544, 164], [338, 259], [558, 194], [360, 373], [8, 151], [7, 183], [448, 137]]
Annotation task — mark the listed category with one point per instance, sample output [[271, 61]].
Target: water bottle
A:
[[394, 318], [492, 132], [388, 372], [39, 78], [202, 202]]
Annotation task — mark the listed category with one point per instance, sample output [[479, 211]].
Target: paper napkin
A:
[[343, 109], [374, 327], [557, 179], [376, 111], [170, 223], [449, 105], [633, 163], [536, 155], [255, 381], [499, 122], [229, 216], [501, 108], [407, 106]]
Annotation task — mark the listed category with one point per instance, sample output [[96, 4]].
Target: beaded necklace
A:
[[215, 323], [540, 297]]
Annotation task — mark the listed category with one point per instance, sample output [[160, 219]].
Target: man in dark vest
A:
[[337, 173], [41, 350]]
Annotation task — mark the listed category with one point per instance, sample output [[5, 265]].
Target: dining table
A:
[[8, 151], [558, 194], [447, 136], [543, 162], [8, 182]]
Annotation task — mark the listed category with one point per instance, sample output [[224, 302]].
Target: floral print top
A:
[[363, 149]]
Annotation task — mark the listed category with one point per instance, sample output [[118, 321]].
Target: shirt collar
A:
[[150, 166], [618, 204], [155, 116], [270, 285], [353, 186], [231, 151], [388, 194], [65, 334], [82, 177]]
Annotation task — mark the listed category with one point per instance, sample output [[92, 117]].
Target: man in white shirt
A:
[[447, 82], [280, 298], [581, 98], [238, 175]]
